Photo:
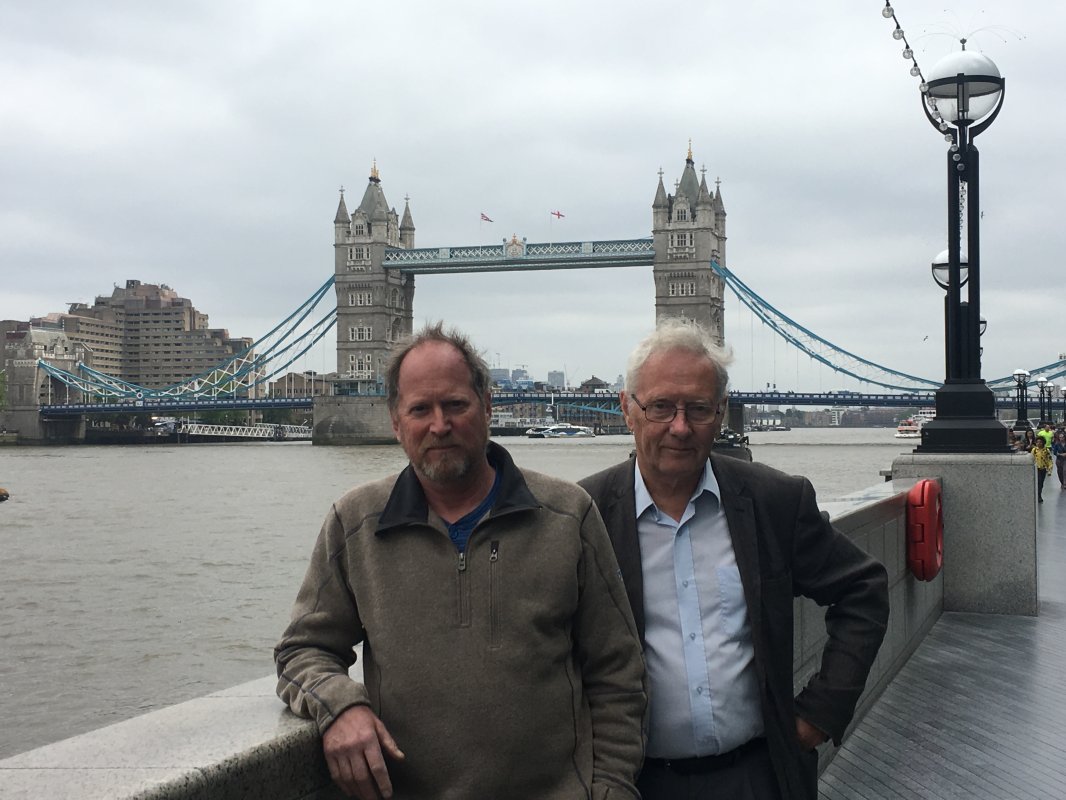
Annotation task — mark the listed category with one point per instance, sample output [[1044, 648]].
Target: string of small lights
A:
[[908, 54]]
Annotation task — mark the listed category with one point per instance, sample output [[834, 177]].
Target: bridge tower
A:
[[374, 305], [688, 230]]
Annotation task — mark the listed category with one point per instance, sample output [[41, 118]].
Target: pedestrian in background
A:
[[1042, 459], [1058, 450], [1027, 442], [1045, 433]]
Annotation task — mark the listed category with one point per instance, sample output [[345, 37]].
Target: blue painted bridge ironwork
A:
[[598, 402], [154, 405]]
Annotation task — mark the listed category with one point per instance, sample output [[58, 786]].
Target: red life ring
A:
[[925, 530]]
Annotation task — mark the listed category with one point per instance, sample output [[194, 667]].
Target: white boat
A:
[[909, 429], [563, 430], [912, 428]]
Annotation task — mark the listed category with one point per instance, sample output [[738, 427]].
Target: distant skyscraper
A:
[[519, 374], [557, 379]]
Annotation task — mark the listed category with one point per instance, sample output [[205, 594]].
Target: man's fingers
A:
[[388, 744], [355, 746], [375, 761], [368, 781], [340, 770]]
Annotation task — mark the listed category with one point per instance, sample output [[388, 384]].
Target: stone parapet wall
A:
[[876, 520], [989, 528]]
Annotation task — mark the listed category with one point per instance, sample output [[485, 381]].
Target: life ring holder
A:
[[925, 530]]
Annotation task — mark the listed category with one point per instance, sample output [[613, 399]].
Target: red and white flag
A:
[[485, 217], [557, 214]]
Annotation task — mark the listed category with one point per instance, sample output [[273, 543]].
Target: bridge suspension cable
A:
[[822, 350]]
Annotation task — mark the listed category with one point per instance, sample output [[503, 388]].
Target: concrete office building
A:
[[145, 334]]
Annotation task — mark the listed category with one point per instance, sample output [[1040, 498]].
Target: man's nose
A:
[[679, 425], [440, 422]]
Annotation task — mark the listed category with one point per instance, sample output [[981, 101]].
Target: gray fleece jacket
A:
[[511, 671]]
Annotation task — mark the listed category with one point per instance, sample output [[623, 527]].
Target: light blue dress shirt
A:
[[703, 690]]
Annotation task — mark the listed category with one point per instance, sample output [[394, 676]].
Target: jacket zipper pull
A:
[[462, 561], [494, 553]]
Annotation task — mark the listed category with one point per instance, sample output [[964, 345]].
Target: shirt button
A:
[[692, 636], [699, 690], [685, 584]]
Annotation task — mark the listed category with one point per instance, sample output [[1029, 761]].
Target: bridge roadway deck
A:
[[979, 710]]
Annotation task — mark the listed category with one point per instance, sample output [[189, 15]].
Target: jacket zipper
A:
[[462, 593], [494, 597]]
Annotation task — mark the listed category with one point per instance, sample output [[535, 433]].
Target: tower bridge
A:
[[376, 261]]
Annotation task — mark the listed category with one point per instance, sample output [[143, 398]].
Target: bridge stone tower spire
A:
[[688, 231], [374, 305]]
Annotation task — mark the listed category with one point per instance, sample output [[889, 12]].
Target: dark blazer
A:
[[784, 548]]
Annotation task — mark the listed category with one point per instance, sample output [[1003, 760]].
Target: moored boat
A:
[[564, 430], [911, 428], [908, 429]]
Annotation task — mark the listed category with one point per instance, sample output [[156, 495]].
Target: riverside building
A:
[[145, 334]]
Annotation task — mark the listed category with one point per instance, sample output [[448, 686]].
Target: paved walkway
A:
[[979, 711]]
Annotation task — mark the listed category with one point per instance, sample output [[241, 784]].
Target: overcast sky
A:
[[202, 144]]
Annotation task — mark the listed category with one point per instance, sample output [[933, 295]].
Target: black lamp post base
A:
[[965, 422]]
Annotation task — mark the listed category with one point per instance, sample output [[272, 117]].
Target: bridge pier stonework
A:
[[340, 419]]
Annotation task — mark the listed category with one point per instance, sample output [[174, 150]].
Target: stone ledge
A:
[[234, 744]]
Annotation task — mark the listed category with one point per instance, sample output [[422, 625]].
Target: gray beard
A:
[[446, 470]]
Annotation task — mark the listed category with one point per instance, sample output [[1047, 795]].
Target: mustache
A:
[[436, 441]]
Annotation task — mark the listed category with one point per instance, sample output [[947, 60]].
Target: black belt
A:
[[700, 764]]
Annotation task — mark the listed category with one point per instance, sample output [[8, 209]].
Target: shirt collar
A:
[[708, 483]]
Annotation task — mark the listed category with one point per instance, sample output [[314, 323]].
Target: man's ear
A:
[[623, 401]]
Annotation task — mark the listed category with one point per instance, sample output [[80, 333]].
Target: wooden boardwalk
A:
[[979, 711]]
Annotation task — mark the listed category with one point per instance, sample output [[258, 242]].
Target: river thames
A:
[[133, 578]]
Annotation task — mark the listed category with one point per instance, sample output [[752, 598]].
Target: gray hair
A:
[[480, 380], [676, 334]]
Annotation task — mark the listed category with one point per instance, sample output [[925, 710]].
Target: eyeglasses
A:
[[666, 410]]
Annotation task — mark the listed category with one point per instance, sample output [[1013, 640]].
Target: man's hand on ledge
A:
[[355, 746], [809, 736]]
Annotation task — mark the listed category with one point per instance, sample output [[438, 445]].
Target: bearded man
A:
[[500, 655]]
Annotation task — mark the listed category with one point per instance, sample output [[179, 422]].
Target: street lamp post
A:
[[961, 97], [1041, 388], [1021, 377]]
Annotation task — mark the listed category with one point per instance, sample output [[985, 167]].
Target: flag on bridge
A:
[[557, 214], [485, 217]]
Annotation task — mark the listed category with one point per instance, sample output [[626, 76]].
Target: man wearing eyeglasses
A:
[[712, 551]]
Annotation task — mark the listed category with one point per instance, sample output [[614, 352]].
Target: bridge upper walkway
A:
[[518, 256], [979, 710]]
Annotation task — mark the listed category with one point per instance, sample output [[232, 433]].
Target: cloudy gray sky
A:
[[202, 144]]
